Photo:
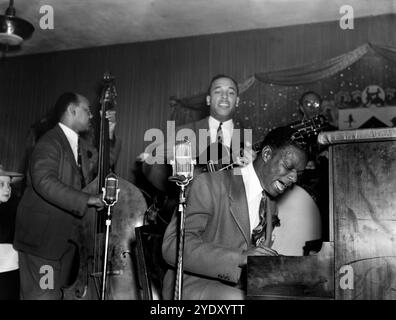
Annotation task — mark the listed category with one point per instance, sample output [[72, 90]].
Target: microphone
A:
[[110, 190], [183, 169], [182, 163]]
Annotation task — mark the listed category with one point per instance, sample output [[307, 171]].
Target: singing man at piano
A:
[[229, 216]]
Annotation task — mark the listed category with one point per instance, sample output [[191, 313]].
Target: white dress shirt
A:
[[72, 137], [227, 127], [253, 194]]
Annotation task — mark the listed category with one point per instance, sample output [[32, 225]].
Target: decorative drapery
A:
[[313, 72], [270, 99]]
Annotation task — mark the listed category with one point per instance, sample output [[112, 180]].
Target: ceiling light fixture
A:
[[13, 30]]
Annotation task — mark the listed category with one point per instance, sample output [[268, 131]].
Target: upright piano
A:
[[359, 260]]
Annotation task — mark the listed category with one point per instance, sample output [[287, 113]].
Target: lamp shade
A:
[[14, 30]]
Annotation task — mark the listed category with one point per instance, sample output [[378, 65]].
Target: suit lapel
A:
[[201, 124], [84, 159], [201, 145], [238, 204]]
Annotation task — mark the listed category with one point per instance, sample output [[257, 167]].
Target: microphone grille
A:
[[183, 159]]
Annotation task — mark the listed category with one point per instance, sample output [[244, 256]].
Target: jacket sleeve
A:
[[44, 171], [201, 257]]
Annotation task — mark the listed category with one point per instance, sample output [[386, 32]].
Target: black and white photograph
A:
[[198, 156]]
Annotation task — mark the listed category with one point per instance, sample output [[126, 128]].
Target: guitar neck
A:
[[306, 128]]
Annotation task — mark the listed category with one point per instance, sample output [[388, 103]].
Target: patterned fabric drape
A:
[[313, 72], [270, 99]]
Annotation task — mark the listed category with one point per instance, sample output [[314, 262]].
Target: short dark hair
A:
[[308, 93], [64, 100], [282, 137], [218, 76]]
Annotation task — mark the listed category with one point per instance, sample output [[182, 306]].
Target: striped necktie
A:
[[219, 135], [262, 234]]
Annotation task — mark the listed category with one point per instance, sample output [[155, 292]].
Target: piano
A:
[[359, 260]]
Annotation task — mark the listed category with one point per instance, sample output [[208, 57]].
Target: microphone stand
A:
[[183, 171], [109, 205], [182, 182]]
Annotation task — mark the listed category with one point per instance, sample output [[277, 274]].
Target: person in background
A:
[[9, 266]]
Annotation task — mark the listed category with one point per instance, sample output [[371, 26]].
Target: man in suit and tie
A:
[[229, 216], [218, 127], [54, 202]]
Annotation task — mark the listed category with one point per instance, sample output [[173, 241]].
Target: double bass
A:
[[127, 213]]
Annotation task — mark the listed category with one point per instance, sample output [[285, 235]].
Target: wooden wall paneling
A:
[[365, 219]]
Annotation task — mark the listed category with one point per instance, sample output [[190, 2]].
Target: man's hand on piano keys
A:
[[256, 251]]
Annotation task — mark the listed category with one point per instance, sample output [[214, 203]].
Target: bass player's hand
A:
[[96, 201]]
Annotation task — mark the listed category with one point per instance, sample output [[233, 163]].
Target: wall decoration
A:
[[352, 80], [373, 96]]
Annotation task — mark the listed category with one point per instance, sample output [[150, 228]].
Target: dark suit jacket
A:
[[217, 230], [53, 202]]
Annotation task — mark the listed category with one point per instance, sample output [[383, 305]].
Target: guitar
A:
[[218, 157]]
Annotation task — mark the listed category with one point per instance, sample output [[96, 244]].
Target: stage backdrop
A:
[[362, 80]]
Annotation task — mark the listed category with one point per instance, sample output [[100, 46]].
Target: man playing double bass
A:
[[53, 203]]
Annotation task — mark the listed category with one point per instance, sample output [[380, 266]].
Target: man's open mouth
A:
[[280, 186], [224, 104]]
